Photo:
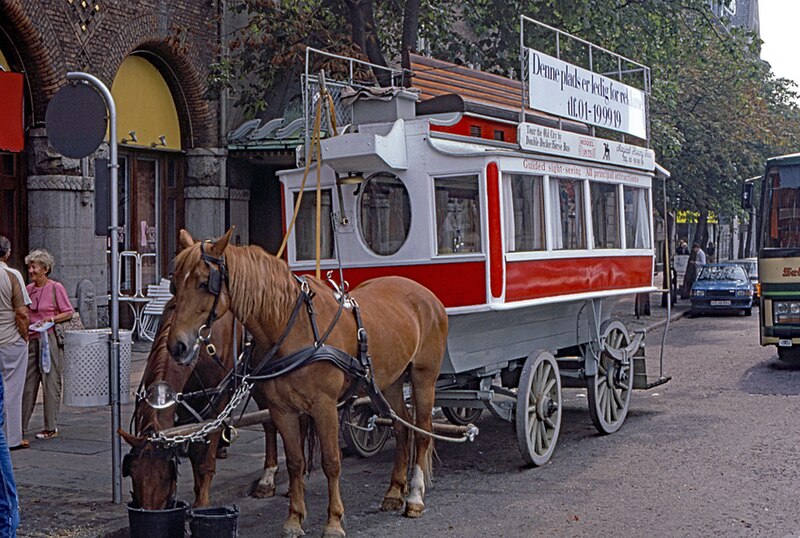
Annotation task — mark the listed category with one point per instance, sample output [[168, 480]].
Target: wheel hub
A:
[[545, 407]]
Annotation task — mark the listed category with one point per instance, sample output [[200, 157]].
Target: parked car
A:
[[722, 287], [751, 266]]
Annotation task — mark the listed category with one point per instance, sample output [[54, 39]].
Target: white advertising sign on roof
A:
[[533, 137], [569, 91]]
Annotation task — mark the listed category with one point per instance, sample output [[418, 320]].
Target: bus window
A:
[[637, 217], [458, 216], [305, 228], [567, 215], [525, 218], [605, 214], [784, 209], [384, 213]]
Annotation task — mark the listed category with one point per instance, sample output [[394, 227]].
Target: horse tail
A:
[[312, 441]]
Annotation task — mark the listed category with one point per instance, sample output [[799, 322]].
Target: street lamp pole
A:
[[114, 346]]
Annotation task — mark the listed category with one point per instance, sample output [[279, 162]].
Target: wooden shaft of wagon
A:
[[248, 419]]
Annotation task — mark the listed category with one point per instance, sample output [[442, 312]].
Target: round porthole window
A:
[[384, 213]]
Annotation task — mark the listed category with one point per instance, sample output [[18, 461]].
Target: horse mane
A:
[[251, 268], [258, 266]]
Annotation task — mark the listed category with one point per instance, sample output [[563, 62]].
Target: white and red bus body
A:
[[503, 301]]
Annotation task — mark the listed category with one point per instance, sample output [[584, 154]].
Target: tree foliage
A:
[[716, 110]]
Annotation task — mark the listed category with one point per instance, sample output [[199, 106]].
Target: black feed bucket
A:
[[216, 522], [167, 523]]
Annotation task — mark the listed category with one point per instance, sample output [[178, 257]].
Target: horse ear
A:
[[135, 442], [185, 239], [219, 246]]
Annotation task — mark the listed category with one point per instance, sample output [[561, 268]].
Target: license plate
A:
[[785, 343], [720, 303]]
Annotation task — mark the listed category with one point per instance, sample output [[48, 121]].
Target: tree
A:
[[716, 110]]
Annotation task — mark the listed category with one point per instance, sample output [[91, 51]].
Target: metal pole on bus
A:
[[114, 345]]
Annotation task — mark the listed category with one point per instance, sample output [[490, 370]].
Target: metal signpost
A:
[[74, 128]]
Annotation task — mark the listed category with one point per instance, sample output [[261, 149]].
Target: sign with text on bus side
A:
[[543, 139], [569, 91]]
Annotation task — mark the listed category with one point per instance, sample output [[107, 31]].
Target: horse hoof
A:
[[263, 493], [292, 533], [391, 504], [414, 510], [333, 532]]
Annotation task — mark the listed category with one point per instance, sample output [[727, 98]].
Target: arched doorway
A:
[[151, 170]]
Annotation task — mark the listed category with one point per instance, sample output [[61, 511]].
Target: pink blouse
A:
[[43, 307]]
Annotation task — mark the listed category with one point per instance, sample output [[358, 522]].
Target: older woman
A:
[[49, 303]]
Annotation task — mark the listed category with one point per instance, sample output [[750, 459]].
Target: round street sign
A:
[[76, 120]]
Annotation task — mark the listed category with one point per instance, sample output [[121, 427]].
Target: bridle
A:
[[217, 276]]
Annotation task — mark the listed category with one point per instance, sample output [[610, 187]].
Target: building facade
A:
[[154, 57]]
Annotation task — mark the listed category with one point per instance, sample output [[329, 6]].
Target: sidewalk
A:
[[65, 485]]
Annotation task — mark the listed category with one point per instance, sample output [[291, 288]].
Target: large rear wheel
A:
[[538, 410], [609, 392]]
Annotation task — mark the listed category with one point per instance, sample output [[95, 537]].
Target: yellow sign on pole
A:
[[691, 217]]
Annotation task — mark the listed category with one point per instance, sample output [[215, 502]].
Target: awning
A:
[[12, 132]]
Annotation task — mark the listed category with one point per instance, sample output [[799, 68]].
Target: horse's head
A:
[[201, 295], [153, 472]]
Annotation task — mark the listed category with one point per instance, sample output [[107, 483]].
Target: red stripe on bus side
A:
[[454, 283], [495, 231], [535, 279]]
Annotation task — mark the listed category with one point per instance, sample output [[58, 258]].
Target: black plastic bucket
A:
[[215, 522], [167, 523]]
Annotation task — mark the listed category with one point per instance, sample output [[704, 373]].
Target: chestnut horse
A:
[[153, 470], [407, 328]]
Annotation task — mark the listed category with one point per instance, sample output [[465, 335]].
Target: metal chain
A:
[[202, 433]]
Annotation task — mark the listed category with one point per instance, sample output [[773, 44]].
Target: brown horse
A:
[[407, 328], [153, 470]]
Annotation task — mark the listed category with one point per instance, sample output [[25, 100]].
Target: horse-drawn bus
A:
[[527, 232], [485, 235]]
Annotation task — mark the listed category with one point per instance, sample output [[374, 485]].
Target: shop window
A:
[[458, 217], [525, 218], [305, 227], [605, 215], [384, 213], [637, 217], [566, 199]]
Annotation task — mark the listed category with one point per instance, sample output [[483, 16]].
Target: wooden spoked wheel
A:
[[357, 440], [538, 411], [609, 392], [461, 416]]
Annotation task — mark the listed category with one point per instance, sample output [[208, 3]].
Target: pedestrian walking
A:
[[49, 305], [14, 303], [13, 350]]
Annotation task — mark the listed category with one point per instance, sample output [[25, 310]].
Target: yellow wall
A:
[[145, 105]]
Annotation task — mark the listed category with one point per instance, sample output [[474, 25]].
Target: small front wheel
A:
[[357, 439], [748, 311], [461, 416]]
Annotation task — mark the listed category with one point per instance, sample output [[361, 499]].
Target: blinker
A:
[[215, 282], [160, 395]]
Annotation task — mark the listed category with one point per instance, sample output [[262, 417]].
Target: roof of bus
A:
[[792, 158]]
